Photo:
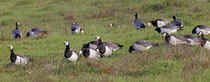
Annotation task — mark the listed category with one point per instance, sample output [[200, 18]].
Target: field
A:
[[165, 63]]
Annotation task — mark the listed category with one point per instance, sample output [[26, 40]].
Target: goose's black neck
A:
[[13, 56], [67, 47], [99, 41], [131, 49], [167, 38], [136, 16], [16, 25]]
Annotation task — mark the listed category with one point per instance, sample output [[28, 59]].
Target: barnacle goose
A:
[[177, 22], [193, 40], [201, 28], [111, 45], [89, 52], [174, 39], [70, 54], [142, 45], [16, 33], [18, 59], [36, 32], [204, 42], [168, 29], [75, 28], [104, 50], [159, 22], [138, 23]]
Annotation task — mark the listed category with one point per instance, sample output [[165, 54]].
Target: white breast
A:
[[74, 57], [21, 61], [108, 51], [207, 45], [93, 54], [31, 33], [168, 31], [139, 47], [161, 23]]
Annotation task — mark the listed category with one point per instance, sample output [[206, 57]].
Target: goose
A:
[[204, 42], [104, 50], [138, 23], [70, 54], [36, 32], [193, 40], [18, 59], [159, 22], [168, 29], [177, 22], [111, 45], [174, 39], [89, 53], [201, 28], [16, 33], [75, 28], [141, 46]]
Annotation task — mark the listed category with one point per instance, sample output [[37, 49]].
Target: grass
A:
[[165, 63]]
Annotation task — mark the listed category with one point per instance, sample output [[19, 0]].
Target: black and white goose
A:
[[70, 54], [174, 39], [113, 46], [36, 32], [142, 45], [159, 23], [18, 59], [193, 40], [138, 23], [204, 42], [75, 28], [201, 28], [16, 33], [177, 22], [168, 29], [89, 52], [104, 50]]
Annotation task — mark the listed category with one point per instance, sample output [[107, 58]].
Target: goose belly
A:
[[73, 58], [207, 45], [140, 47], [93, 54], [20, 61], [161, 23], [168, 31], [108, 51], [31, 33], [175, 41]]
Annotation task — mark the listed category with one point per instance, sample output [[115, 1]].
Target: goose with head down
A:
[[142, 45], [174, 39], [201, 28]]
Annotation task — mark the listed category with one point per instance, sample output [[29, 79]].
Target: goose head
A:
[[10, 47], [66, 43]]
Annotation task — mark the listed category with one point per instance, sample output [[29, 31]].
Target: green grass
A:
[[163, 64]]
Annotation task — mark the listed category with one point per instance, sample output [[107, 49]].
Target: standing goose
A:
[[89, 53], [138, 23], [174, 39], [204, 42], [168, 29], [70, 54], [36, 32], [177, 22], [18, 59], [16, 33], [142, 45], [75, 28], [193, 40], [111, 45], [201, 28], [159, 23], [105, 50]]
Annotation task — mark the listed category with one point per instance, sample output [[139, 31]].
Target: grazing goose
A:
[[16, 33], [111, 45], [89, 53], [168, 29], [141, 46], [201, 28], [70, 54], [36, 32], [159, 23], [204, 42], [174, 39], [18, 59], [104, 50], [75, 28], [138, 23], [193, 40], [177, 22]]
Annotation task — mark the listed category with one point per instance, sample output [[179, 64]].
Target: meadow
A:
[[165, 63]]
